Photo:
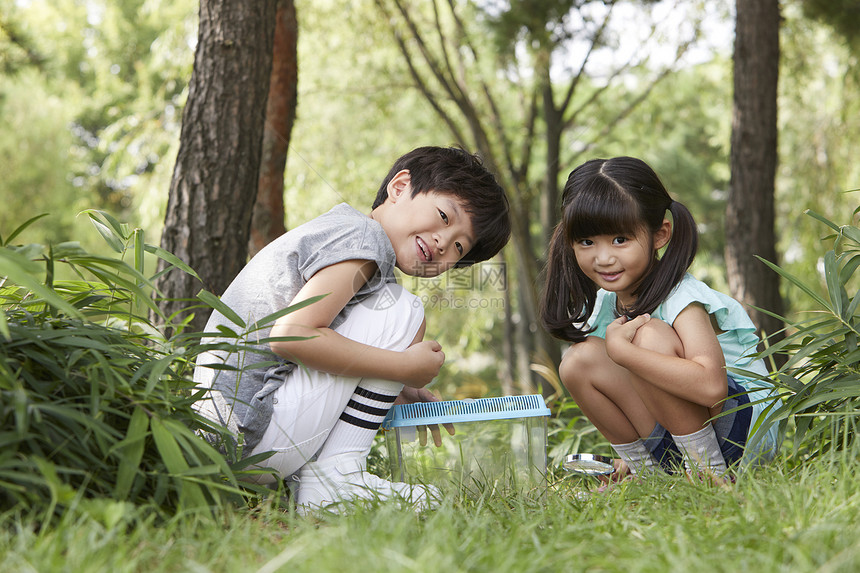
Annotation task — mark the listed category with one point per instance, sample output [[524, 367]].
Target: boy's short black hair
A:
[[454, 171]]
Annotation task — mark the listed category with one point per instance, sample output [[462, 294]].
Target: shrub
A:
[[94, 402], [819, 383]]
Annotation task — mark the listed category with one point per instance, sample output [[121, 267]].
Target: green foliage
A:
[[820, 382], [90, 106], [34, 154], [843, 15], [819, 116], [94, 403]]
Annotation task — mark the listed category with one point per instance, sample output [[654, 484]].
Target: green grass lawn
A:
[[772, 519]]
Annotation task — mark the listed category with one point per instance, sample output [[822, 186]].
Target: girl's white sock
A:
[[701, 450], [636, 455]]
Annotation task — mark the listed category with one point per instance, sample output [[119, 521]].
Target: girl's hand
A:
[[621, 332], [423, 361], [621, 472]]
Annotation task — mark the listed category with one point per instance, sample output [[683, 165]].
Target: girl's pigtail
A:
[[561, 302], [677, 258], [682, 248]]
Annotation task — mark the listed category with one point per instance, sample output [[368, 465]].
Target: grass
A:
[[773, 519]]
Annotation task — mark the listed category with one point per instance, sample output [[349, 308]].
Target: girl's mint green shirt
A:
[[738, 338]]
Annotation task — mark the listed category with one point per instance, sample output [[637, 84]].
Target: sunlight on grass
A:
[[771, 520]]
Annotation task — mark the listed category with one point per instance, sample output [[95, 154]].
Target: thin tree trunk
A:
[[268, 219], [215, 179], [750, 210]]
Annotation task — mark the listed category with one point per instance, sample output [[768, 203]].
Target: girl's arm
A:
[[331, 352], [698, 375]]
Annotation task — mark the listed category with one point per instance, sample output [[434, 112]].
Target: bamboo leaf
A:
[[132, 449], [271, 339], [172, 259], [268, 320], [138, 254], [249, 461], [4, 326], [849, 268], [157, 368], [108, 221], [797, 282], [20, 260], [852, 233], [823, 219], [823, 397], [831, 278], [21, 228], [15, 268], [171, 455], [98, 263], [227, 331], [194, 443], [218, 305], [108, 235], [190, 494], [81, 342], [220, 366]]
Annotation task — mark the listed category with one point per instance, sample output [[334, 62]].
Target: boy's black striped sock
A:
[[361, 419]]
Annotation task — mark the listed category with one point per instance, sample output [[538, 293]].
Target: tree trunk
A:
[[217, 169], [267, 223], [750, 209], [548, 349]]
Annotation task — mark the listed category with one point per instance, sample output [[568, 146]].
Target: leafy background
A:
[[96, 401]]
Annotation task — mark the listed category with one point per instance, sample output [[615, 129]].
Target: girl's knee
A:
[[658, 336], [580, 359]]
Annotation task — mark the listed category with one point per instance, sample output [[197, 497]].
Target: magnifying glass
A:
[[589, 464]]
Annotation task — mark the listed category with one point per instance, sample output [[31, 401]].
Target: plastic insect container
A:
[[499, 444]]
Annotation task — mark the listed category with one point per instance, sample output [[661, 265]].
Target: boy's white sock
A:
[[357, 426], [701, 450], [636, 455]]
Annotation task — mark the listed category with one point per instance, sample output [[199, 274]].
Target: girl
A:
[[650, 343]]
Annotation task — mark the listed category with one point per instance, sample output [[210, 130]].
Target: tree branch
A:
[[571, 89]]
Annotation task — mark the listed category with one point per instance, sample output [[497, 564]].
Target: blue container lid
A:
[[451, 411]]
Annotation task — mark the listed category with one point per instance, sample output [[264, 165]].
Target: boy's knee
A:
[[419, 336], [388, 318], [658, 336]]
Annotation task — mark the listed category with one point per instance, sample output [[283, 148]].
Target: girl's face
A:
[[618, 263]]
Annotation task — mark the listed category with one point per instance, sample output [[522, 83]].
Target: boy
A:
[[320, 406]]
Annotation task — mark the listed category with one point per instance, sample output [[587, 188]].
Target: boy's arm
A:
[[330, 352]]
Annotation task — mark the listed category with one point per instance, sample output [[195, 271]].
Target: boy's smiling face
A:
[[430, 232]]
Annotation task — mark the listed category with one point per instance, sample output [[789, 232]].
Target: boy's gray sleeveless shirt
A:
[[267, 284]]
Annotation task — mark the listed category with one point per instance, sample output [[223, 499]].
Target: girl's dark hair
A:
[[456, 172], [619, 196]]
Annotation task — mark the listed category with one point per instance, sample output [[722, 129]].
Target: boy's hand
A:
[[424, 359], [412, 395]]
